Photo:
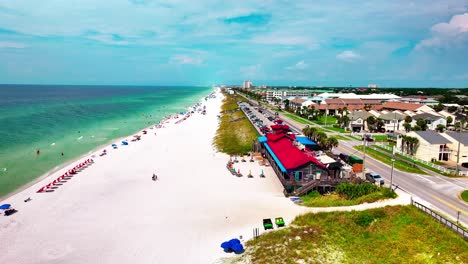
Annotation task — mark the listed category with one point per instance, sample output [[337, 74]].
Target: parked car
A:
[[367, 137], [374, 177]]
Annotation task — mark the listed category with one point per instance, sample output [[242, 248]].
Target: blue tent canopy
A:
[[124, 143], [114, 145], [305, 141], [5, 206]]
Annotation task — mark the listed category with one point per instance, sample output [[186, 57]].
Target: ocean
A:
[[75, 120]]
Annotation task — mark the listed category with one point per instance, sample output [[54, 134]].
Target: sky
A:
[[396, 43]]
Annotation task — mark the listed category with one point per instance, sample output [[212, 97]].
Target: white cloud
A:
[[108, 39], [301, 65], [185, 59], [348, 56], [12, 45], [453, 33], [279, 38]]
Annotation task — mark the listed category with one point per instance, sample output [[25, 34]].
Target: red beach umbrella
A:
[[41, 189]]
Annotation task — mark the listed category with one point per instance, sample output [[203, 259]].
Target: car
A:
[[270, 118], [367, 137], [375, 178], [464, 164]]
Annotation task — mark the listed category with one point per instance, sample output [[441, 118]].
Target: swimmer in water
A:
[[38, 152]]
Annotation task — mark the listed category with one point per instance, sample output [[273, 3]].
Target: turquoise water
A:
[[74, 120]]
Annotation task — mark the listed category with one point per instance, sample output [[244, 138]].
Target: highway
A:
[[435, 191]]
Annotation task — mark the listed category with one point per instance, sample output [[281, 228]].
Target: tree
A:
[[371, 123], [440, 128], [345, 111], [449, 120], [452, 109], [380, 123], [413, 145], [332, 142], [407, 127], [422, 124], [343, 121], [438, 107], [320, 136], [408, 119], [286, 104]]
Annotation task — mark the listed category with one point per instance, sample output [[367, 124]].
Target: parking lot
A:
[[261, 120]]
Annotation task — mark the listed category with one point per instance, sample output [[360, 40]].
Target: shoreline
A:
[[65, 164]]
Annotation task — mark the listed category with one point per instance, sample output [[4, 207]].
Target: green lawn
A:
[[393, 234], [337, 129], [234, 137], [411, 160], [342, 137], [355, 138], [298, 119], [387, 159], [330, 120], [464, 195], [314, 199], [380, 137]]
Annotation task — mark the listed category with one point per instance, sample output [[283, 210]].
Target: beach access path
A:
[[113, 212]]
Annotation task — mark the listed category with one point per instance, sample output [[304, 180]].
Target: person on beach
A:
[[155, 177]]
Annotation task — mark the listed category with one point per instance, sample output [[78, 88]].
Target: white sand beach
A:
[[113, 212]]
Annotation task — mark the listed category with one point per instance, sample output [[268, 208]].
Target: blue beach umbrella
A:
[[238, 248], [5, 206], [226, 245], [114, 145]]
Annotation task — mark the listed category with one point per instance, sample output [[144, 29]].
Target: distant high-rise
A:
[[247, 84]]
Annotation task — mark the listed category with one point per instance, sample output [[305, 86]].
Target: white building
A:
[[372, 86], [432, 145], [431, 119], [287, 93], [247, 84]]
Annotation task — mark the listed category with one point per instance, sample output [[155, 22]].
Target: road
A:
[[437, 192]]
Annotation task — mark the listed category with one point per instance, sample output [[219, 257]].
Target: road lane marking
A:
[[450, 205]]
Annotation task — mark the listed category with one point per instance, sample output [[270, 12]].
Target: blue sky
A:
[[273, 42]]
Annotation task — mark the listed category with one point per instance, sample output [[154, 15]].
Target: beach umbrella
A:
[[226, 245], [5, 206], [238, 171], [238, 248], [41, 189]]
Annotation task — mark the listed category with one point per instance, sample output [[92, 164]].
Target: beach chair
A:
[[279, 221], [267, 224]]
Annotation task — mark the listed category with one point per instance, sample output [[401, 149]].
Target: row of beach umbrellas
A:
[[67, 174]]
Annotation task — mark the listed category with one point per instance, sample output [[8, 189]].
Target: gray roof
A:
[[427, 116], [391, 116], [463, 137], [432, 137], [358, 114]]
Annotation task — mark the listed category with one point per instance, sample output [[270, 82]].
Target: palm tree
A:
[[403, 142], [408, 119], [371, 123], [407, 127], [332, 142], [320, 136]]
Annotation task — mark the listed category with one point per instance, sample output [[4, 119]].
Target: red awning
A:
[[289, 155]]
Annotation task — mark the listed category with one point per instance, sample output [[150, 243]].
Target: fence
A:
[[399, 152], [458, 229]]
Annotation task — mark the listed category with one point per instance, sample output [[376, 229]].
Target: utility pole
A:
[[326, 115], [458, 151], [364, 160], [393, 165]]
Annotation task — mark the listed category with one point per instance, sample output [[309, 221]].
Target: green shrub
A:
[[312, 194], [352, 191], [365, 218]]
